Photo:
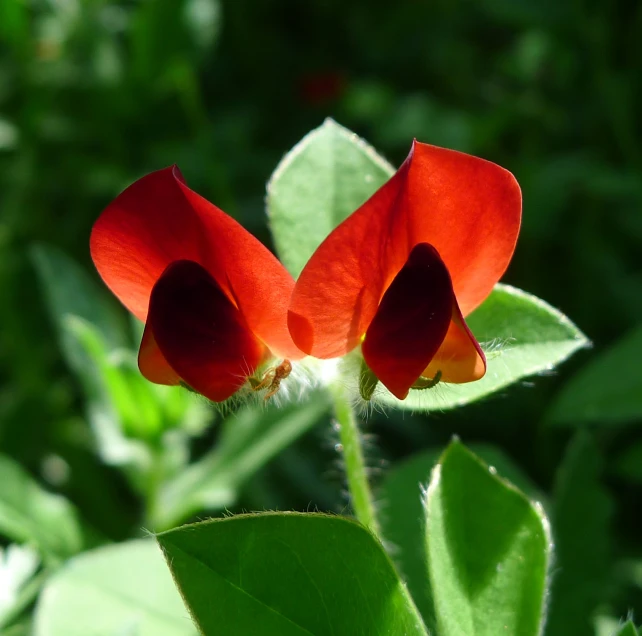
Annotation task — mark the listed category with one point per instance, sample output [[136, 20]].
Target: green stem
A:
[[355, 466], [154, 482]]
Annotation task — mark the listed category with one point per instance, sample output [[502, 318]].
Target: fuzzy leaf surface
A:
[[288, 574], [487, 548]]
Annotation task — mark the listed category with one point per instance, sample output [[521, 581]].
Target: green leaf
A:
[[19, 629], [115, 590], [9, 132], [581, 550], [628, 629], [250, 438], [628, 464], [606, 625], [144, 410], [86, 322], [14, 25], [69, 291], [318, 184], [203, 22], [401, 514], [105, 391], [138, 409], [18, 565], [608, 390], [29, 514], [488, 549], [521, 334], [288, 574]]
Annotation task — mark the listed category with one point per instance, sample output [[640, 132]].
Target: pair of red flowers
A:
[[396, 277]]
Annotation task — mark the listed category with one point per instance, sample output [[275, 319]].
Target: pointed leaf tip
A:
[[487, 550]]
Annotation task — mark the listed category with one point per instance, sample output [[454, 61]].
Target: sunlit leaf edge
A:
[[534, 506]]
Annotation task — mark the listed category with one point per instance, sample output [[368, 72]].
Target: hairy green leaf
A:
[[607, 391], [488, 550], [288, 574], [580, 521], [114, 590], [401, 514], [30, 514]]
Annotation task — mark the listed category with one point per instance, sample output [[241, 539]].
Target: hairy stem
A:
[[355, 466]]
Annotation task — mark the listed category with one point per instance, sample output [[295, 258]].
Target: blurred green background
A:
[[94, 94]]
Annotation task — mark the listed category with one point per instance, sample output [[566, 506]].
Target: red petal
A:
[[411, 322], [201, 334], [158, 220], [152, 362], [470, 210], [467, 208]]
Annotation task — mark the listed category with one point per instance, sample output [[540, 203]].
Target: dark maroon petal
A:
[[411, 322], [201, 333]]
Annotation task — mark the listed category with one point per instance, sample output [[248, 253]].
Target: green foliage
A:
[[120, 589], [318, 184], [194, 25], [18, 565], [488, 550], [628, 629], [249, 439], [14, 24], [20, 629], [288, 574], [629, 463], [582, 551], [143, 410], [401, 509], [34, 516], [607, 391], [69, 291], [94, 94]]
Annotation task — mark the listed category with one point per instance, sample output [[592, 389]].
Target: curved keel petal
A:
[[411, 322], [201, 333]]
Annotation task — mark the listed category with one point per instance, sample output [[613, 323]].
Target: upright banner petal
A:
[[470, 210], [140, 233]]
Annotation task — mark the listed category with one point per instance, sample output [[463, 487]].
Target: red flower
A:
[[214, 299], [399, 274]]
